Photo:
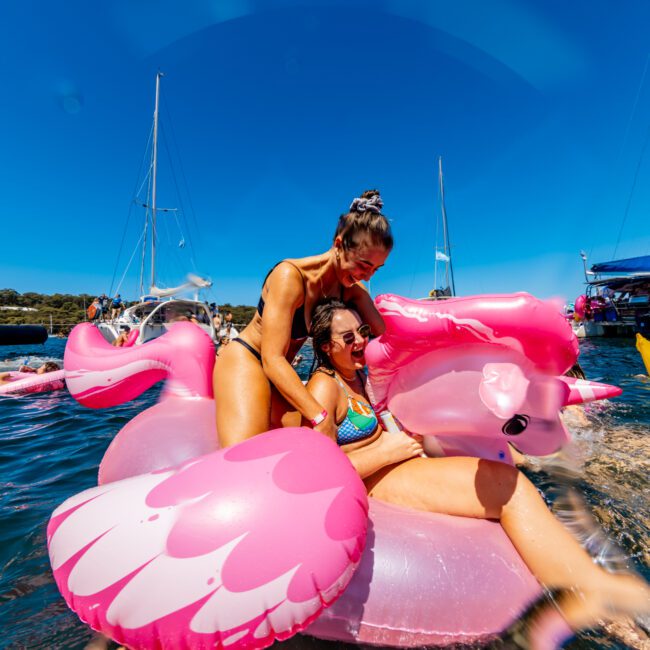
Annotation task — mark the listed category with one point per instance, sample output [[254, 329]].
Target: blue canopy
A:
[[630, 265]]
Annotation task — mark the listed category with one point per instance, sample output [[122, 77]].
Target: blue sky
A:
[[278, 113]]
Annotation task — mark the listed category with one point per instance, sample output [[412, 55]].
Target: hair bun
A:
[[369, 201]]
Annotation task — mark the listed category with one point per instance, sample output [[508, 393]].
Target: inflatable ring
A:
[[412, 585], [24, 383]]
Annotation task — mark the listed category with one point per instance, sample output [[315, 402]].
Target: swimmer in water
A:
[[48, 366]]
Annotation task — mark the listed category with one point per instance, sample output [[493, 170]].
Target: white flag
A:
[[441, 257]]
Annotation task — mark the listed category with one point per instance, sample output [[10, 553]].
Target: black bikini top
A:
[[298, 326], [299, 329]]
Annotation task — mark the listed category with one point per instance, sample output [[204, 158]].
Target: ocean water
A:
[[50, 448]]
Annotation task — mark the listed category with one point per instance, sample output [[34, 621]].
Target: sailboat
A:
[[442, 253], [160, 307]]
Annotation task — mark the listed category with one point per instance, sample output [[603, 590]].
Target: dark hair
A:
[[354, 224], [50, 366], [576, 371], [321, 329]]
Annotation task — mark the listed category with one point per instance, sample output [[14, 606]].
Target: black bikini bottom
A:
[[250, 348]]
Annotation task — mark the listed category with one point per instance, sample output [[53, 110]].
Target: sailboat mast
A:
[[154, 171], [449, 269]]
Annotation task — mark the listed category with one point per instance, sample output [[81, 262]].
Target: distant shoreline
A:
[[60, 312]]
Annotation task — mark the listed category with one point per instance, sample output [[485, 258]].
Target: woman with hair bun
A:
[[254, 383]]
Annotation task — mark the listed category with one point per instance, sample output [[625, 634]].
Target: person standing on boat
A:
[[103, 301], [255, 385], [116, 306], [94, 310]]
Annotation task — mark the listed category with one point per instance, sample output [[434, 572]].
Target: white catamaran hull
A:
[[153, 318]]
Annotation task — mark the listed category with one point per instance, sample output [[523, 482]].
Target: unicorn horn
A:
[[582, 390]]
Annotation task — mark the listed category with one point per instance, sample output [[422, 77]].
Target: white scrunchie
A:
[[373, 204]]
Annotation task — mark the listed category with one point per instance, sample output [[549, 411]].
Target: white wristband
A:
[[319, 418]]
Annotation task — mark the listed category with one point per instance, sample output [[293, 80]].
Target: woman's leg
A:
[[242, 395], [471, 487]]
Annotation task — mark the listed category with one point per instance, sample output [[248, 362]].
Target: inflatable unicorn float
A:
[[184, 545]]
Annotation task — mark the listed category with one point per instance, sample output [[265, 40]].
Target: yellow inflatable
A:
[[643, 346]]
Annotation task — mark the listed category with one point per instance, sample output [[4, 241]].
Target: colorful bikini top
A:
[[360, 421]]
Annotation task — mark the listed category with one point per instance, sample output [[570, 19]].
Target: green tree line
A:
[[241, 314], [64, 310]]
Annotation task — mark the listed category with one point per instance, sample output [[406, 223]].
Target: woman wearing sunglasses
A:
[[255, 385], [393, 470]]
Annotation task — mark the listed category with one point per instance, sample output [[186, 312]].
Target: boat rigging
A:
[[443, 254], [158, 307]]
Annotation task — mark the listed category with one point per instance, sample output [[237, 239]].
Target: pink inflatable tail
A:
[[99, 375]]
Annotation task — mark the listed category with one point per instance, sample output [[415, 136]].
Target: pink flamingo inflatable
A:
[[180, 426], [208, 554], [422, 579]]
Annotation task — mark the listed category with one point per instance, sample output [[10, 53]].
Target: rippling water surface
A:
[[50, 448]]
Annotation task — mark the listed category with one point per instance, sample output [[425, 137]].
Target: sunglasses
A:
[[348, 337]]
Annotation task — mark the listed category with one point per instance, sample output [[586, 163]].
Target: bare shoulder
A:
[[291, 268], [287, 283], [324, 388], [322, 381]]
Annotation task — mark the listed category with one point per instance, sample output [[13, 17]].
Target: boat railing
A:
[[157, 322]]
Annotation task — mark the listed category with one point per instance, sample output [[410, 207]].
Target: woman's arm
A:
[[388, 449], [359, 296], [285, 294], [326, 391]]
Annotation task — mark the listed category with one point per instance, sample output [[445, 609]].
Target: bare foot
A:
[[616, 596], [626, 630]]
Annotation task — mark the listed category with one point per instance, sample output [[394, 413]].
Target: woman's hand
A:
[[416, 436], [399, 446], [327, 427]]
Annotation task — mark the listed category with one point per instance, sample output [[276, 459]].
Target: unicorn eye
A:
[[515, 425]]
